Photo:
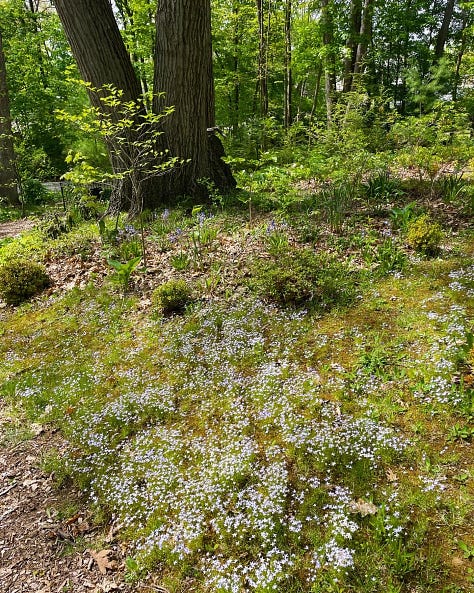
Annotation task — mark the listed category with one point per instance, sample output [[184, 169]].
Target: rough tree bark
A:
[[102, 59], [8, 177], [183, 71], [183, 79]]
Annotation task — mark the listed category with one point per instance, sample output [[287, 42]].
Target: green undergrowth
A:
[[288, 403], [242, 445]]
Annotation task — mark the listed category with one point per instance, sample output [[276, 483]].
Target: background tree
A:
[[8, 177]]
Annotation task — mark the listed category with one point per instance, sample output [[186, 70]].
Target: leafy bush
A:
[[55, 224], [302, 277], [424, 236], [172, 296], [21, 279], [34, 192]]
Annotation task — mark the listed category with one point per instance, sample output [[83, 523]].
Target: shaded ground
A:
[[48, 541], [15, 227]]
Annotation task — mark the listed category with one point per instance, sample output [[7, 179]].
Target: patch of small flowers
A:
[[463, 281], [226, 456], [442, 360]]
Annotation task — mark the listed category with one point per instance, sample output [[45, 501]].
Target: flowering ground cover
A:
[[244, 445]]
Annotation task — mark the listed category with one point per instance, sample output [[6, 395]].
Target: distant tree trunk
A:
[[460, 55], [365, 36], [329, 62], [444, 30], [351, 44], [183, 72], [262, 75], [288, 71], [234, 95], [8, 177]]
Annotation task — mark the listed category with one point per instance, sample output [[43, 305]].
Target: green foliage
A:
[[335, 202], [55, 224], [21, 279], [381, 189], [301, 277], [401, 217], [33, 192], [124, 270], [172, 296], [389, 258], [424, 236]]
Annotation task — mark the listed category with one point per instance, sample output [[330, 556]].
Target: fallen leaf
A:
[[363, 507], [103, 561], [391, 475], [107, 586]]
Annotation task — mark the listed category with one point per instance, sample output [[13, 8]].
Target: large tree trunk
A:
[[183, 80], [8, 178], [102, 59]]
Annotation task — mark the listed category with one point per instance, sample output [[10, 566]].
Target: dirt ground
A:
[[15, 227], [48, 541]]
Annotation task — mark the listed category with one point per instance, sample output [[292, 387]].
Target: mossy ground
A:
[[243, 446]]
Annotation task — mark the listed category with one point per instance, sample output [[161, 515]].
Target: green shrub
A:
[[303, 278], [172, 296], [424, 236], [34, 192], [54, 225], [21, 279]]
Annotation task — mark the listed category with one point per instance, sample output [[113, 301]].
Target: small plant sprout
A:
[[124, 271]]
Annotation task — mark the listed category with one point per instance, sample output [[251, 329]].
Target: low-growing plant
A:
[[401, 217], [382, 188], [424, 235], [55, 224], [301, 277], [335, 203], [172, 296], [452, 187], [21, 279], [389, 258], [124, 270]]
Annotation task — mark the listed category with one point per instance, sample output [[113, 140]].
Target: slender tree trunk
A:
[[262, 74], [365, 36], [316, 92], [235, 94], [460, 56], [8, 177], [444, 30], [329, 62], [288, 70], [351, 44], [183, 76]]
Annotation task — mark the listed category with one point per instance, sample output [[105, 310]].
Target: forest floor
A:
[[13, 228], [373, 362], [40, 524]]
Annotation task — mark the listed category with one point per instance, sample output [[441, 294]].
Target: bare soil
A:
[[49, 542], [15, 227]]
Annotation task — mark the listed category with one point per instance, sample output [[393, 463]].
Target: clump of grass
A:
[[172, 296], [301, 277], [20, 279]]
